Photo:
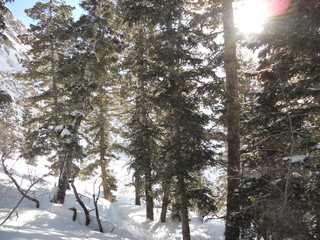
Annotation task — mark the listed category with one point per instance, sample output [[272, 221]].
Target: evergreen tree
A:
[[3, 10], [173, 67], [45, 107], [232, 117], [142, 129], [281, 185], [93, 51], [104, 16], [180, 67]]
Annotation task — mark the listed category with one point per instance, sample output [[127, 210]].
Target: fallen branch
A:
[[95, 201], [21, 191], [86, 212], [74, 217], [23, 196]]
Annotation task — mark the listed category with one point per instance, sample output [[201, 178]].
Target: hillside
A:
[[120, 220], [12, 53]]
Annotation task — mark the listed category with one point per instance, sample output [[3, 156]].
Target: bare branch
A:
[[86, 212], [21, 191], [23, 196], [95, 201]]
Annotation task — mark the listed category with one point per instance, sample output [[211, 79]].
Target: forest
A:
[[179, 90]]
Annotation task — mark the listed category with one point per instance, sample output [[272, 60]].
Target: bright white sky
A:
[[18, 7], [250, 15]]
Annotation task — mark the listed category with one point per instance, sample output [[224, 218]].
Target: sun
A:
[[250, 15]]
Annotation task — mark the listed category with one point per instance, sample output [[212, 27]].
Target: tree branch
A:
[[86, 212]]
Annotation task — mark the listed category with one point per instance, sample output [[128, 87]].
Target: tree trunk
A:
[[83, 206], [146, 158], [63, 184], [165, 201], [105, 185], [146, 138], [102, 148], [183, 201], [137, 185], [148, 190], [233, 119], [77, 117]]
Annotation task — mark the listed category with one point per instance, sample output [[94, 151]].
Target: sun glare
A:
[[250, 15]]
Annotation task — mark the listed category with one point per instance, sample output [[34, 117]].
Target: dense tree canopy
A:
[[168, 73], [281, 130]]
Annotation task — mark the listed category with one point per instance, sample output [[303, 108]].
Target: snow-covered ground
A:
[[120, 220]]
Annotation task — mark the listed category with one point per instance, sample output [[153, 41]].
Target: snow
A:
[[296, 175], [59, 128], [76, 113], [244, 147], [296, 158], [252, 72], [121, 219], [65, 132], [12, 51], [275, 182]]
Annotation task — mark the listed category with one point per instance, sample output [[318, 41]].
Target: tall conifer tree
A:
[[282, 130], [143, 145], [48, 44], [177, 69], [105, 77], [232, 118], [3, 10]]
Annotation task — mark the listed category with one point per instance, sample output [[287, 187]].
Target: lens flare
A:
[[250, 15], [277, 7]]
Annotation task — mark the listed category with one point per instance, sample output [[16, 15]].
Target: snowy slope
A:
[[120, 220], [12, 53]]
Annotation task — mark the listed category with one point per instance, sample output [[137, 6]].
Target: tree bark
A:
[[86, 211], [146, 138], [183, 200], [64, 178], [74, 216], [70, 147], [233, 119], [147, 155], [165, 201], [63, 183], [137, 185], [95, 201], [105, 185], [102, 148], [149, 194]]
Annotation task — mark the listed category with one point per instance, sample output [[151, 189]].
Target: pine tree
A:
[[175, 67], [142, 127], [45, 107], [281, 130], [89, 57], [104, 15], [3, 10], [232, 118]]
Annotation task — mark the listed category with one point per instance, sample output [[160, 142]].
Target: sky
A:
[[18, 7]]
